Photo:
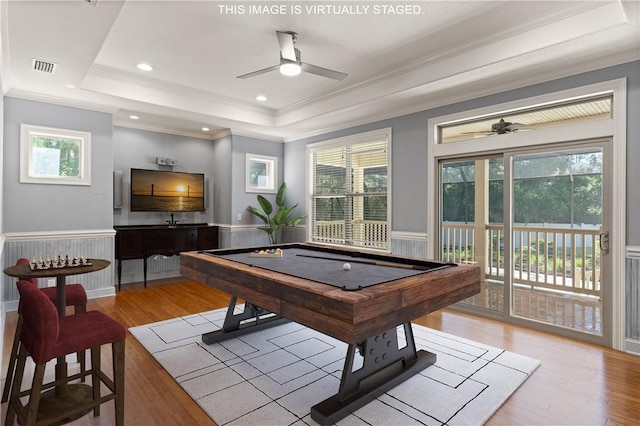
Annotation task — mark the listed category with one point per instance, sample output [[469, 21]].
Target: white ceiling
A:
[[397, 63]]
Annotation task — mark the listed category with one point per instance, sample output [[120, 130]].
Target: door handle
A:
[[604, 242]]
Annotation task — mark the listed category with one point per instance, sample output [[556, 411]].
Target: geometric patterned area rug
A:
[[275, 376]]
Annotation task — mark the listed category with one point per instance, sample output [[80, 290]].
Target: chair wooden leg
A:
[[12, 360], [81, 356], [95, 380], [15, 387], [34, 396], [118, 380]]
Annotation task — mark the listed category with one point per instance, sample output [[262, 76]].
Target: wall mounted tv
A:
[[166, 191]]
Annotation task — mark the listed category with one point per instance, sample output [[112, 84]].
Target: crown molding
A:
[[476, 89], [212, 135], [56, 100]]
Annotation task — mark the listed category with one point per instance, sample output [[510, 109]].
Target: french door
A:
[[536, 222]]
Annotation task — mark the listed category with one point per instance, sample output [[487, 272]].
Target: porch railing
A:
[[554, 258], [364, 233]]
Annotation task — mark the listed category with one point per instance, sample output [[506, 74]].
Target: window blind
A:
[[349, 195]]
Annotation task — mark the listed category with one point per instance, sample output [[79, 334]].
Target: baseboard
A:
[[151, 276], [101, 292]]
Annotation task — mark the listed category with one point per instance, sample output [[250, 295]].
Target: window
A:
[[350, 194], [260, 173], [559, 113], [54, 156]]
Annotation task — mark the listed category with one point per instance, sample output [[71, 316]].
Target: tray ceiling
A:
[[445, 52]]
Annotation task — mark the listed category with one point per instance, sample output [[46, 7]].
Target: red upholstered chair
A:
[[75, 296], [46, 336]]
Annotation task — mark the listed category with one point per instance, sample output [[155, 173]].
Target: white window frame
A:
[[615, 128], [271, 166], [27, 156], [371, 136]]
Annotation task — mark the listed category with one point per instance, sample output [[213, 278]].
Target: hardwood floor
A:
[[577, 383]]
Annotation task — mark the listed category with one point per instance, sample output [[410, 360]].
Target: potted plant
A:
[[281, 218]]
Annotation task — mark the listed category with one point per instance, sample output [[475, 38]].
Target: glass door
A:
[[471, 216], [557, 238], [535, 221]]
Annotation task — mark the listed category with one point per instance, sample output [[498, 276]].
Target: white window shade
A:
[[350, 191]]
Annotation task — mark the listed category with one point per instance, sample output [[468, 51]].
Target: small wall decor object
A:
[[118, 191], [261, 173], [166, 161]]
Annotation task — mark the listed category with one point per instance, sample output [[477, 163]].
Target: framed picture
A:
[[261, 173], [54, 156]]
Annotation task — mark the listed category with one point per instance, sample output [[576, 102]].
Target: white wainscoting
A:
[[410, 244], [232, 236], [632, 292], [229, 236], [96, 244], [158, 267], [250, 236]]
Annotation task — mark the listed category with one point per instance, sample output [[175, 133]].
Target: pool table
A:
[[365, 304]]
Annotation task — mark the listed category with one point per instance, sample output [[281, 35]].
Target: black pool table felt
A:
[[327, 271]]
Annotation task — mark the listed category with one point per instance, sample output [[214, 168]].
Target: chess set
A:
[[58, 262]]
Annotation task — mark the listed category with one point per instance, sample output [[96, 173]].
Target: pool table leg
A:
[[259, 319], [384, 366]]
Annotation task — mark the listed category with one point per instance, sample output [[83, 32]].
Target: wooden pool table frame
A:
[[366, 319]]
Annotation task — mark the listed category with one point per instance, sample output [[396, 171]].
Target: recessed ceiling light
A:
[[134, 117], [70, 86], [144, 67], [205, 129], [261, 98]]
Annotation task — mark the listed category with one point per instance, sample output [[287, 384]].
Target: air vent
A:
[[43, 66]]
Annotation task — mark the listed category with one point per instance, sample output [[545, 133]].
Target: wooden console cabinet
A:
[[143, 241]]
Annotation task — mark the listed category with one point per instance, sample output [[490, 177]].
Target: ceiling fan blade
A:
[[519, 126], [262, 71], [323, 72], [478, 133], [285, 39]]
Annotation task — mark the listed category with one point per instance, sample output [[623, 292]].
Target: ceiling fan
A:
[[502, 127], [290, 63]]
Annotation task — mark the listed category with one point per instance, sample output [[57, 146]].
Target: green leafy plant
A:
[[281, 218]]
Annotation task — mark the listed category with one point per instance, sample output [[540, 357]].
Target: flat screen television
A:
[[166, 191]]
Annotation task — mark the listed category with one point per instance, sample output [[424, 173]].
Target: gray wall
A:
[[39, 219], [633, 154], [222, 192], [241, 200], [222, 161], [134, 148], [410, 147], [37, 207], [2, 298], [409, 157], [1, 164]]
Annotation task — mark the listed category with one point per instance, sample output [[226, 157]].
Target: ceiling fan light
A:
[[290, 68]]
